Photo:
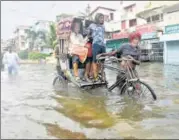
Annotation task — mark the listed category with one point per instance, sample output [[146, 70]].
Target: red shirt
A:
[[89, 45]]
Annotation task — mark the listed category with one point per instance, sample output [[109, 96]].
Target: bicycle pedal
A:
[[130, 88]]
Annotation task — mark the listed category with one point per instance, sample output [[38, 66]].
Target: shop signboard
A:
[[172, 29], [148, 31], [149, 35], [120, 35], [147, 28]]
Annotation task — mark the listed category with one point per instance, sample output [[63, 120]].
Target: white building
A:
[[108, 13], [171, 35], [20, 35], [171, 14], [3, 45], [109, 18], [42, 26]]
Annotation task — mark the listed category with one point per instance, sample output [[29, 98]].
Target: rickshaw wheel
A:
[[138, 89], [59, 79]]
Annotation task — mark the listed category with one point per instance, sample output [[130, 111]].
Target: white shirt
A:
[[78, 39], [11, 59]]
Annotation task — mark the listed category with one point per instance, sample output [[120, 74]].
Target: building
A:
[[20, 35], [171, 14], [109, 19], [3, 45], [108, 13], [153, 15], [125, 22], [128, 15], [171, 35], [42, 28], [42, 25]]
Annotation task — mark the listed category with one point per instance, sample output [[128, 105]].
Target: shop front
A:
[[171, 44], [151, 47], [117, 40]]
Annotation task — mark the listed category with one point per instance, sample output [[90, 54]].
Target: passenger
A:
[[130, 50], [98, 45], [88, 60], [76, 39], [12, 60]]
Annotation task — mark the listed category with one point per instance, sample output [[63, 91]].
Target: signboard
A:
[[172, 29], [64, 28], [147, 28], [120, 35], [149, 35]]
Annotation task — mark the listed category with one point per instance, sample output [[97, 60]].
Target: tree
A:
[[52, 37], [36, 39], [31, 38]]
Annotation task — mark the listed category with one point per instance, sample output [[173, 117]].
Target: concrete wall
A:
[[127, 16], [171, 18]]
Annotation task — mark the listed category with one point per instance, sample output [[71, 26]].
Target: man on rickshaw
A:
[[98, 45], [130, 50]]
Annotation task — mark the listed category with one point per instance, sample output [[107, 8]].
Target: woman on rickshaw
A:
[[77, 40]]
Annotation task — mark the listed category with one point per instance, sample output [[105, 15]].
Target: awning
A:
[[152, 11], [169, 37]]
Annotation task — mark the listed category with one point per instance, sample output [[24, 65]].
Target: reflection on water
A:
[[30, 102]]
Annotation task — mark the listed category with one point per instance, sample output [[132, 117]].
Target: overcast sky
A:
[[15, 13]]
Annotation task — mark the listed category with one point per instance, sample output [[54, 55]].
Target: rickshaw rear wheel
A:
[[59, 79], [140, 91]]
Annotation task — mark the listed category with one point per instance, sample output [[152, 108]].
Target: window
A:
[[123, 25], [156, 18], [106, 18], [132, 22], [111, 16], [22, 37], [22, 45], [131, 9], [148, 20]]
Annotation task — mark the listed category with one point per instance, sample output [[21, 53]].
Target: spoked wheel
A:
[[138, 89], [61, 81]]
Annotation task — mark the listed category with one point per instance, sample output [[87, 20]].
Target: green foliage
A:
[[37, 55], [52, 37], [23, 54]]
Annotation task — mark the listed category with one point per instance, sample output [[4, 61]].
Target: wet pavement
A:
[[32, 108]]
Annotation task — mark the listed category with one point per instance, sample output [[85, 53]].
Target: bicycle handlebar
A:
[[115, 58]]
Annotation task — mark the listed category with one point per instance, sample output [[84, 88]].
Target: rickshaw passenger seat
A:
[[80, 65]]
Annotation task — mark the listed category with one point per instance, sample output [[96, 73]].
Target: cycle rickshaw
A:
[[130, 83]]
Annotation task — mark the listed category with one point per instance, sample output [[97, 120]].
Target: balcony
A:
[[128, 16]]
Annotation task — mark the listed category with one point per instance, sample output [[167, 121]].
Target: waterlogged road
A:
[[32, 108]]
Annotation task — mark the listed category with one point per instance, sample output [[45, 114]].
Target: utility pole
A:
[[88, 11]]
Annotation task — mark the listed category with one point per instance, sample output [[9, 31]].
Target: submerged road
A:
[[32, 108]]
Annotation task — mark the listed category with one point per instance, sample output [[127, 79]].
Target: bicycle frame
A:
[[129, 74]]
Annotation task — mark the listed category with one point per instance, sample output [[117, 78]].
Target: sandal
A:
[[77, 79], [87, 79]]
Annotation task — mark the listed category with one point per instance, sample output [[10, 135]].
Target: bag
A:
[[89, 46], [81, 52]]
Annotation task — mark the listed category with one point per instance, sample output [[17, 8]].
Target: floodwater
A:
[[32, 108]]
